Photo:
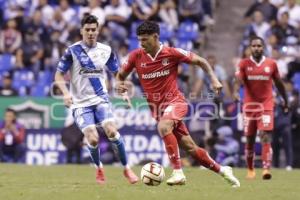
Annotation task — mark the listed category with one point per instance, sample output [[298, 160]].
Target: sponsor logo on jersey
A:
[[250, 68], [165, 62], [267, 69], [156, 74], [258, 77], [90, 72]]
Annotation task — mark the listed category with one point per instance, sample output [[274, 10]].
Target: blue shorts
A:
[[92, 115]]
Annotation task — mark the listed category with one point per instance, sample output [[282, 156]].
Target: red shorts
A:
[[262, 121], [176, 111]]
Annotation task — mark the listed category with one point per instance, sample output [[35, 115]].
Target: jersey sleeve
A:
[[129, 63], [182, 55], [65, 61], [240, 71], [275, 74], [112, 63]]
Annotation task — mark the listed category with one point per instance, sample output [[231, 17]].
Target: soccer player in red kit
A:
[[257, 74], [156, 66]]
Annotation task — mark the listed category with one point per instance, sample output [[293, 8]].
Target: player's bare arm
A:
[[236, 87], [281, 89], [201, 62], [61, 84], [121, 77]]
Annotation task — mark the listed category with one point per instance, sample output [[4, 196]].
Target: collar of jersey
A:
[[261, 61], [159, 50]]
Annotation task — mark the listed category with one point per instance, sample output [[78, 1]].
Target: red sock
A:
[[205, 160], [266, 155], [249, 154], [172, 150]]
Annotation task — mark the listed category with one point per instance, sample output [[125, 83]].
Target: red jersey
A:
[[258, 82], [158, 75]]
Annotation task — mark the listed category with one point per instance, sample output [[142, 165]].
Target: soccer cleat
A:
[[251, 174], [130, 176], [100, 179], [230, 178], [177, 178], [266, 174]]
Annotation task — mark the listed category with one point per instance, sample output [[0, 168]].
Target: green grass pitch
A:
[[77, 182]]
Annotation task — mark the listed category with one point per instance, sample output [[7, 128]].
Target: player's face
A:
[[148, 41], [257, 48], [89, 34]]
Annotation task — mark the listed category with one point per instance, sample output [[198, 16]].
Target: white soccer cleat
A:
[[229, 177], [177, 178]]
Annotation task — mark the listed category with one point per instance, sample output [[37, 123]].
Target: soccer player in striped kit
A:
[[86, 60]]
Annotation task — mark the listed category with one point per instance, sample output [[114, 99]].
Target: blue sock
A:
[[94, 154], [118, 144]]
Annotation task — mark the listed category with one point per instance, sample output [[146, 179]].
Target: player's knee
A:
[[164, 128], [265, 137], [91, 135]]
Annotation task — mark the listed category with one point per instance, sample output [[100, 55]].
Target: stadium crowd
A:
[[35, 33]]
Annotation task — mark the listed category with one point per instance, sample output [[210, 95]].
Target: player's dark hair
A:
[[89, 19], [147, 27], [10, 110], [257, 38]]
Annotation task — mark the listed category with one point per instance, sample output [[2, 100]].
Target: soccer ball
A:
[[152, 174]]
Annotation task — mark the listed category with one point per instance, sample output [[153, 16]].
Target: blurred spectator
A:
[[59, 24], [72, 138], [281, 63], [6, 90], [10, 37], [285, 33], [202, 83], [272, 43], [295, 112], [268, 10], [117, 14], [53, 50], [12, 137], [31, 52], [68, 14], [94, 8], [167, 12], [191, 10], [277, 3], [225, 146], [258, 26], [35, 23], [293, 8], [282, 137], [47, 12], [144, 10]]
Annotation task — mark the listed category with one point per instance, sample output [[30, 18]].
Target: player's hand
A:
[[217, 86], [68, 100], [286, 108], [121, 88], [236, 97]]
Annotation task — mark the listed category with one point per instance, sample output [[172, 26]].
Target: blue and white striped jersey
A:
[[87, 70]]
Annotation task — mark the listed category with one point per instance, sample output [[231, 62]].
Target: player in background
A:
[[157, 66], [256, 74], [86, 60]]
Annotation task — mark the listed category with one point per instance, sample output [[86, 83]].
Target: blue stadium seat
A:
[[134, 25], [296, 80], [45, 77], [184, 44], [188, 30], [22, 78], [40, 90], [5, 62], [166, 31], [133, 44]]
